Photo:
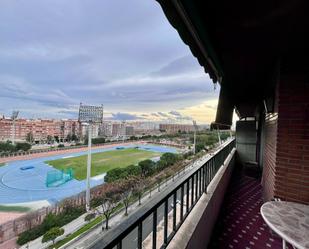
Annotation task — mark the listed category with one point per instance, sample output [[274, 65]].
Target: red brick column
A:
[[292, 158], [269, 158]]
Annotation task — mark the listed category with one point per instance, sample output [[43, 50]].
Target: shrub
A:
[[52, 234], [89, 217], [147, 167], [7, 146], [98, 140], [23, 146], [51, 220], [60, 145], [122, 173]]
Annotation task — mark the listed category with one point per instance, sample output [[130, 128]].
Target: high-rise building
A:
[[129, 131]]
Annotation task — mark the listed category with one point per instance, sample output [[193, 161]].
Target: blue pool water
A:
[[17, 185]]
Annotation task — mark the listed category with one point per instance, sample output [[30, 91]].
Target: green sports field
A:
[[103, 161]]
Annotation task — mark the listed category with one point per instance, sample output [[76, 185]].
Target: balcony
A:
[[216, 205]]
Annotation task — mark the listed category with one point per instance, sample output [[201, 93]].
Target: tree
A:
[[147, 167], [89, 217], [138, 190], [7, 146], [169, 158], [52, 234], [29, 137], [56, 139], [159, 180], [23, 146], [108, 206], [50, 139], [69, 138], [74, 138], [133, 170], [126, 196]]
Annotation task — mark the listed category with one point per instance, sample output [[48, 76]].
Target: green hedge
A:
[[50, 221], [144, 168]]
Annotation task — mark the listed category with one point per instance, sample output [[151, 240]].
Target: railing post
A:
[[181, 202], [140, 235], [200, 181], [154, 229], [192, 190], [174, 210], [165, 221], [119, 245], [196, 186], [205, 179], [187, 196]]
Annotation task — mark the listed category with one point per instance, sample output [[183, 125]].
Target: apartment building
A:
[[39, 128], [175, 128]]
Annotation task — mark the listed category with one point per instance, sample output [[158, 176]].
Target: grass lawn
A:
[[14, 209], [103, 161]]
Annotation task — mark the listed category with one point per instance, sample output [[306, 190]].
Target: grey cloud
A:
[[58, 53], [175, 113], [125, 116], [181, 65]]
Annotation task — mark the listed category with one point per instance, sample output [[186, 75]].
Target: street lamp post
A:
[[194, 136], [90, 115], [14, 117], [88, 167]]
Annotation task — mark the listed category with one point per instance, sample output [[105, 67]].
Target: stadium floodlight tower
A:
[[14, 117], [194, 136], [89, 115]]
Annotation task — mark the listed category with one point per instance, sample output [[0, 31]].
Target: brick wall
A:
[[269, 158], [286, 154], [292, 170]]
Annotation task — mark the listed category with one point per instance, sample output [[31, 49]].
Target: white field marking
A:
[[65, 157], [99, 177]]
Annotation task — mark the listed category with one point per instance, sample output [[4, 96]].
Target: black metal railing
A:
[[173, 206]]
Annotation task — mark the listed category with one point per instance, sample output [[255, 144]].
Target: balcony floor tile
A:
[[240, 224]]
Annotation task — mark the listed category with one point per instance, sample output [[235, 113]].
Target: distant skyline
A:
[[55, 54]]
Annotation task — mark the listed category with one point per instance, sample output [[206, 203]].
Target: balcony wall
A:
[[286, 160], [197, 228]]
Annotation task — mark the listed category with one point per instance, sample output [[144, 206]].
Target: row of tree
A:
[[9, 147], [52, 139], [143, 169], [121, 195], [207, 140]]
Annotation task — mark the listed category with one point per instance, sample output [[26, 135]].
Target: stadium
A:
[[53, 178]]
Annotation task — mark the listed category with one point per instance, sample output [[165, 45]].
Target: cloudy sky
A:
[[55, 54]]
